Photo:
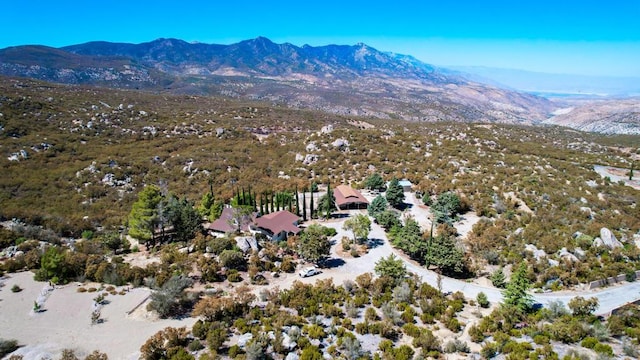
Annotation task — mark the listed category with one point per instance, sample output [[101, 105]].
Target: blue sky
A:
[[577, 37]]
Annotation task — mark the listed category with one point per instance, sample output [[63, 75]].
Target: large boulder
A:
[[537, 253], [245, 243], [565, 254], [244, 339], [608, 239], [287, 342], [292, 356]]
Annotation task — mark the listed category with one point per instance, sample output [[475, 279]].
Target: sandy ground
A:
[[66, 320]]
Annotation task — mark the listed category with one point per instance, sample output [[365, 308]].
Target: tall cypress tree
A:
[[297, 202], [273, 207], [329, 200], [311, 209], [304, 205], [254, 200], [262, 203]]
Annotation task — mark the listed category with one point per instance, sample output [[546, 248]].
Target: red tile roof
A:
[[279, 221], [225, 222], [347, 195]]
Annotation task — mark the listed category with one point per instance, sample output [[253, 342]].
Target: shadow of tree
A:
[[333, 263], [374, 243]]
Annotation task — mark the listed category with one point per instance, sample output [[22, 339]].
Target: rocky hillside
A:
[[349, 80], [604, 116]]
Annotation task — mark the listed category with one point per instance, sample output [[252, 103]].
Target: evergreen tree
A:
[[443, 253], [374, 182], [515, 294], [331, 201], [378, 205], [395, 193], [408, 238], [297, 202], [391, 266], [184, 218], [446, 207], [311, 208], [304, 205], [273, 206], [143, 213], [498, 279]]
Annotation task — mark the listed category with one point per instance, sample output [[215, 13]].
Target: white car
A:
[[310, 271]]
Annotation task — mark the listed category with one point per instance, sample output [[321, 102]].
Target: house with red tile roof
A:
[[227, 223], [277, 225], [349, 198]]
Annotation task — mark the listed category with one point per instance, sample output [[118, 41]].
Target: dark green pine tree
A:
[[297, 202], [515, 294], [395, 193]]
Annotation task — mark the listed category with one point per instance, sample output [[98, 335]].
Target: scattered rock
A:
[[310, 159], [311, 147], [244, 339], [328, 129], [537, 253], [608, 239], [565, 254], [292, 356], [340, 143], [287, 342]]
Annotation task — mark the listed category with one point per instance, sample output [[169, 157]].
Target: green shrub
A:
[[476, 334], [411, 330], [15, 288], [489, 350], [589, 342], [195, 345], [234, 351], [603, 349], [541, 339], [234, 276], [482, 300]]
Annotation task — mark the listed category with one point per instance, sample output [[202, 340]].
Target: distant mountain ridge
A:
[[344, 79]]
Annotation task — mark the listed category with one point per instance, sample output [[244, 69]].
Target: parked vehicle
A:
[[310, 271]]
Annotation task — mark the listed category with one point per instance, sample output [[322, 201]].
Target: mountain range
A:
[[353, 80]]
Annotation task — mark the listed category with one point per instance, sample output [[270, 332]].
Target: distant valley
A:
[[345, 80]]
